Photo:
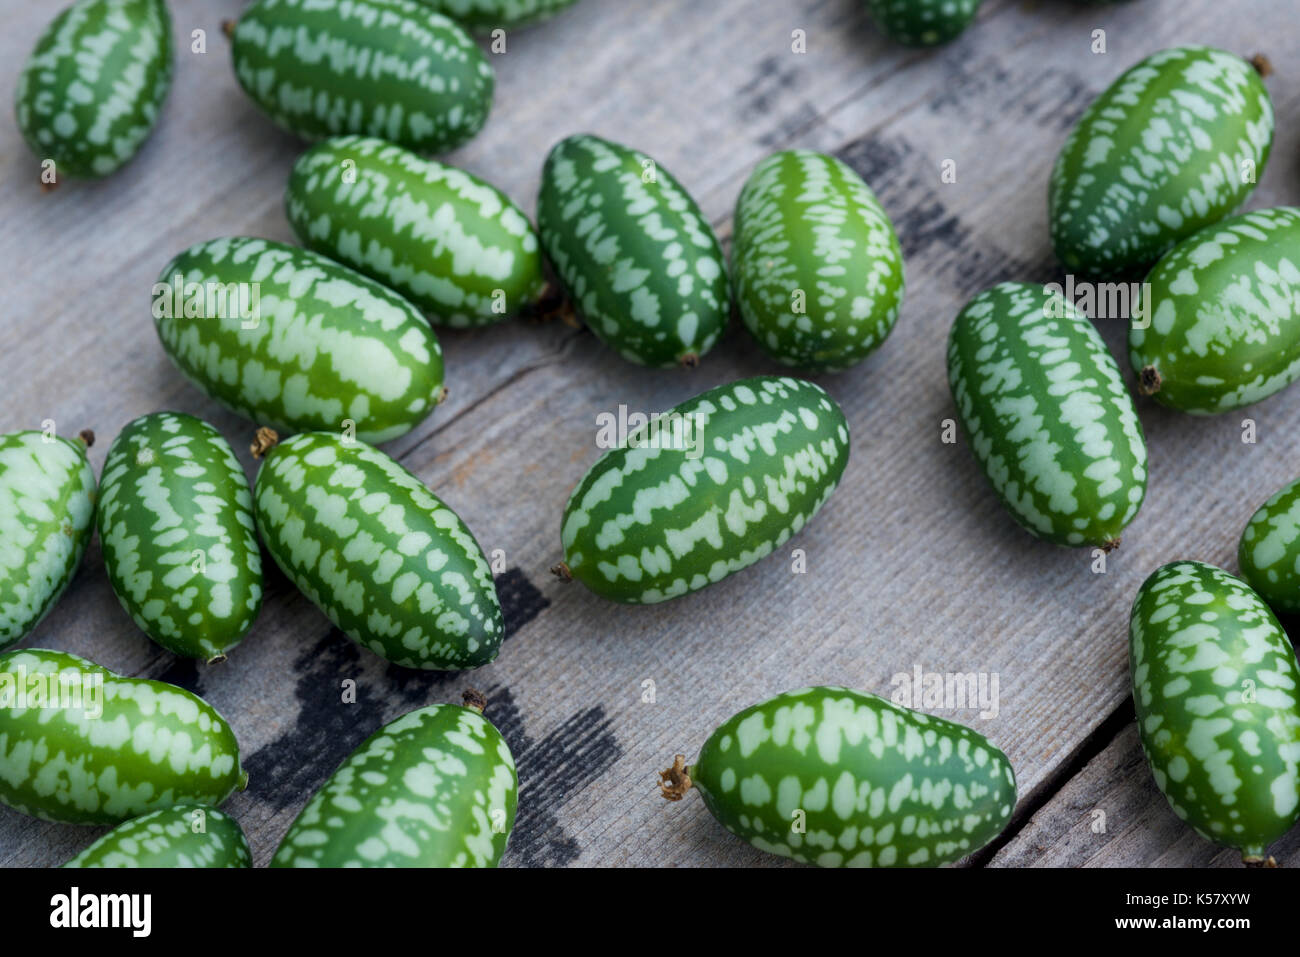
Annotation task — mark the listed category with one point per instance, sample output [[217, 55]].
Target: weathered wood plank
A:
[[913, 562], [1112, 815]]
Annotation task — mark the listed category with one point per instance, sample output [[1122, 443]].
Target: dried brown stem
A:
[[1149, 381], [676, 781], [263, 442]]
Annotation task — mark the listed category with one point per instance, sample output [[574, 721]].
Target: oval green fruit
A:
[[435, 788], [176, 527], [82, 745], [635, 254], [923, 23], [47, 508], [92, 88], [841, 778], [818, 268], [188, 835], [490, 14], [1047, 415], [294, 341], [1176, 143], [452, 244], [711, 487], [1215, 686], [392, 566], [390, 68], [1269, 551], [1221, 315]]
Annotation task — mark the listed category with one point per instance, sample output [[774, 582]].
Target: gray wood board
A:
[[1111, 814], [913, 561]]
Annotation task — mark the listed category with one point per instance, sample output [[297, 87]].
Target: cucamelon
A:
[[1176, 143], [1215, 684], [176, 527], [435, 788], [390, 68], [47, 510], [1221, 315], [450, 243], [711, 487], [187, 835], [295, 341], [841, 778], [387, 562], [93, 87], [1269, 551], [82, 745], [818, 269], [923, 22], [1047, 415], [632, 249], [493, 14]]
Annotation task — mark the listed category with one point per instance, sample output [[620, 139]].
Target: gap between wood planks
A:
[[1097, 741], [545, 362]]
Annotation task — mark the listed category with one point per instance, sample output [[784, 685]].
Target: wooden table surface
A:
[[912, 564]]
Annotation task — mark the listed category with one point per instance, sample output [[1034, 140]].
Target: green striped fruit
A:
[[47, 507], [435, 788], [818, 268], [188, 835], [92, 88], [491, 14], [452, 244], [392, 566], [176, 527], [1047, 415], [721, 481], [1269, 551], [295, 341], [390, 68], [82, 745], [1176, 143], [1215, 685], [1224, 311], [841, 778], [634, 252], [923, 23]]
